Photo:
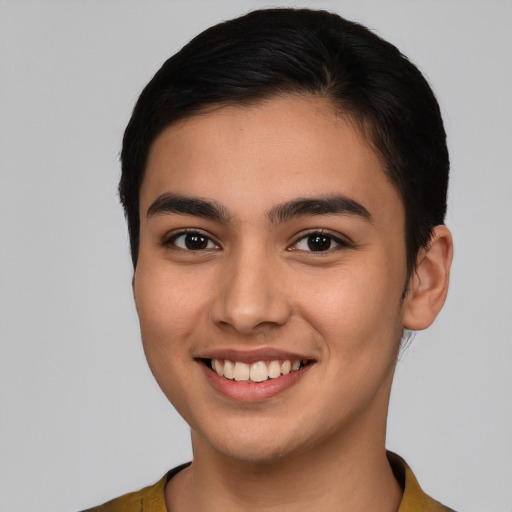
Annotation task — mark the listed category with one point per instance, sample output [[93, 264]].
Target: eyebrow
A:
[[169, 203], [175, 203], [329, 205]]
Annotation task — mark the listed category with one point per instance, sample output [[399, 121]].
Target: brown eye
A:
[[193, 242], [319, 242]]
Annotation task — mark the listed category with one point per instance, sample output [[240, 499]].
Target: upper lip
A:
[[252, 356]]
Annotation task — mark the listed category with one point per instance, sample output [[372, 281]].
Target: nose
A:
[[251, 296]]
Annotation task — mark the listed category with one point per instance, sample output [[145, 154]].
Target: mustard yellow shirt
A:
[[151, 499]]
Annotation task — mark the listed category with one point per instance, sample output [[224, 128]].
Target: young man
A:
[[284, 180]]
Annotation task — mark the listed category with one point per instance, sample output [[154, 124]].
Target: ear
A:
[[428, 285]]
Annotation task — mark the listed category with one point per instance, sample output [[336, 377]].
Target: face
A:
[[270, 275]]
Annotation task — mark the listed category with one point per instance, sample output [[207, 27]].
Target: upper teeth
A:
[[256, 372]]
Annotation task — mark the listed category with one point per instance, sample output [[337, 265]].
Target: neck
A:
[[346, 472]]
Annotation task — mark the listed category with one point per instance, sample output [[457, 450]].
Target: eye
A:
[[193, 241], [318, 242]]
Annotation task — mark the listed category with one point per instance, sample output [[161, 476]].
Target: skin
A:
[[257, 285]]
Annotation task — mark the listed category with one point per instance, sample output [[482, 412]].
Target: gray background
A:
[[81, 418]]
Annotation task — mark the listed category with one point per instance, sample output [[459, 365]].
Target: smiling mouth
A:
[[260, 371]]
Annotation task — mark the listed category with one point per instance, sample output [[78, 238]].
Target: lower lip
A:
[[253, 391]]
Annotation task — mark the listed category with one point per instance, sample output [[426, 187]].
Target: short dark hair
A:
[[272, 52]]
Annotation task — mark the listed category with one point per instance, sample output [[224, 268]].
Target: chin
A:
[[260, 445], [253, 454]]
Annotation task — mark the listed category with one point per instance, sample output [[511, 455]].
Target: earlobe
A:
[[428, 285]]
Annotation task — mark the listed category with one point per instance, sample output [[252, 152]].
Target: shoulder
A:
[[414, 499], [147, 499], [136, 501]]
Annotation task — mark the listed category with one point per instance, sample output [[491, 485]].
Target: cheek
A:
[[169, 308], [356, 308], [169, 305]]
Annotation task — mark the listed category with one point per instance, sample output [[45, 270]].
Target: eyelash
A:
[[171, 240], [320, 233], [328, 237]]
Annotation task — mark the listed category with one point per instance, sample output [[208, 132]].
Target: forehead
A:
[[272, 151]]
